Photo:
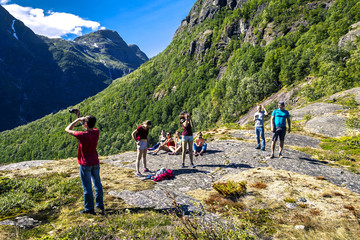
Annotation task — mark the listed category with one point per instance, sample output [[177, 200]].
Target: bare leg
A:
[[183, 151], [191, 153], [144, 157], [138, 157], [178, 149], [281, 146], [273, 143]]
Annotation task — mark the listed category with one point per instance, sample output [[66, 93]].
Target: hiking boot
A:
[[258, 147], [101, 211], [263, 149], [91, 211]]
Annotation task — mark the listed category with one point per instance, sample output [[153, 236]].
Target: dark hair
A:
[[90, 120], [147, 122]]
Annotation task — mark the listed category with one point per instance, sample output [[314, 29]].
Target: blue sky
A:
[[149, 24]]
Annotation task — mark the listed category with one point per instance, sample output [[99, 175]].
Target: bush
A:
[[232, 190]]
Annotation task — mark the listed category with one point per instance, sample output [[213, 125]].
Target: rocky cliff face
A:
[[39, 75]]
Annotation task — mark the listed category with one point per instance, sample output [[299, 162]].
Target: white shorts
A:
[[142, 145]]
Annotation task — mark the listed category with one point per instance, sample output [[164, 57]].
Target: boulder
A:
[[315, 110], [331, 126]]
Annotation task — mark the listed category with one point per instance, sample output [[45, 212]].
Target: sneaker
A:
[[151, 149], [171, 153], [138, 174], [193, 166], [196, 154], [201, 153], [91, 211], [182, 165], [146, 170], [272, 156], [263, 149], [258, 147], [280, 155]]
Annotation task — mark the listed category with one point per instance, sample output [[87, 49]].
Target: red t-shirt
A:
[[87, 154], [141, 133], [170, 143]]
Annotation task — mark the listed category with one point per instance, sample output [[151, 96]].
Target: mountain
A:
[[39, 75], [225, 57]]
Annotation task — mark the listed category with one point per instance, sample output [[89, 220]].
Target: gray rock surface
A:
[[222, 158], [331, 126], [315, 110], [354, 91], [24, 222], [351, 36], [24, 165]]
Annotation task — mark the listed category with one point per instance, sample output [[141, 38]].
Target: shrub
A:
[[232, 190]]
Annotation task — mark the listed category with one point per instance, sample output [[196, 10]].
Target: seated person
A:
[[169, 142], [199, 145], [177, 148], [162, 138]]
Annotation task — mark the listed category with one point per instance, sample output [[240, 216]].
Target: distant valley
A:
[[39, 75]]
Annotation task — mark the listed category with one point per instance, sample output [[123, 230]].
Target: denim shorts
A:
[[187, 138], [142, 145], [279, 133]]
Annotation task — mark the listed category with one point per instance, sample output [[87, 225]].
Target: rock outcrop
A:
[[352, 36]]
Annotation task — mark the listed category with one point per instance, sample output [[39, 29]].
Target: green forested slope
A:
[[188, 74]]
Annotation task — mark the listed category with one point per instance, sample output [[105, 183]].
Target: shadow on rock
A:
[[231, 165], [212, 152], [177, 172], [313, 161]]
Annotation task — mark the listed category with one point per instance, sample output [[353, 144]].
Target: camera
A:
[[73, 110]]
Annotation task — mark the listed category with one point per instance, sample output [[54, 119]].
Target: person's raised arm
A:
[[69, 128], [265, 111]]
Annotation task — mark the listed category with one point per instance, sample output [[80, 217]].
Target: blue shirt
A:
[[280, 117]]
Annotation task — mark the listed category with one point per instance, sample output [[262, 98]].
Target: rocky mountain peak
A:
[[101, 36]]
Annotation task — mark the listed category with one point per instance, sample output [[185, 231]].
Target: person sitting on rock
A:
[[169, 143], [162, 139], [177, 148], [278, 127], [259, 126], [199, 145]]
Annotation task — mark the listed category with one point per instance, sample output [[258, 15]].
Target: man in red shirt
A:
[[89, 162]]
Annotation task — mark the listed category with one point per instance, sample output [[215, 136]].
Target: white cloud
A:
[[4, 1], [52, 24]]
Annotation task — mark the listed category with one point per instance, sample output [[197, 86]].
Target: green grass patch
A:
[[36, 194], [231, 189], [348, 145]]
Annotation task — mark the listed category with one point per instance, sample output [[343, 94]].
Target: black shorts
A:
[[279, 132]]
